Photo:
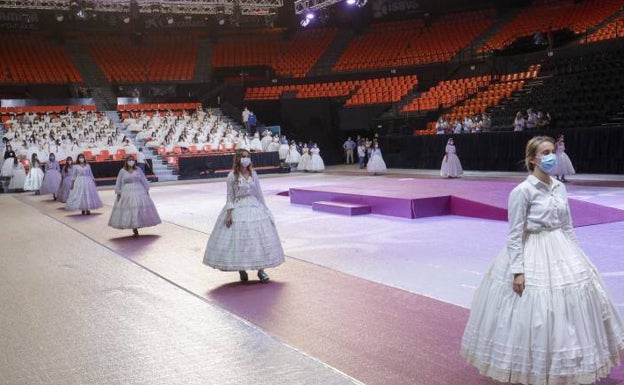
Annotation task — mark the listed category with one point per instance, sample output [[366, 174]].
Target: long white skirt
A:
[[451, 166], [563, 330], [134, 209], [293, 156], [283, 151], [250, 243], [564, 165], [64, 189], [84, 195], [17, 179], [304, 161], [376, 164], [7, 168], [51, 182], [34, 179], [316, 163]]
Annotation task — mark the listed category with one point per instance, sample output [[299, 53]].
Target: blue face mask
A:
[[548, 163]]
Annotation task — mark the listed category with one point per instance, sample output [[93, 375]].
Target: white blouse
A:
[[241, 188], [534, 207]]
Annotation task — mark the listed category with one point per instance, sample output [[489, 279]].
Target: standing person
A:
[[304, 161], [244, 236], [83, 195], [376, 164], [18, 176], [361, 150], [52, 177], [245, 118], [451, 166], [293, 156], [133, 208], [140, 160], [7, 165], [316, 162], [348, 146], [34, 179], [564, 165], [542, 314], [66, 181]]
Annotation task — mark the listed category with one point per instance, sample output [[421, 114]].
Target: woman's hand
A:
[[228, 219], [518, 284]]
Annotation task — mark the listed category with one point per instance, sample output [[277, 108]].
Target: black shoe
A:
[[135, 233], [264, 277], [88, 212], [243, 275], [83, 212]]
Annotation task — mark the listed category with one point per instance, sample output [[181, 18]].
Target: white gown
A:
[[564, 165], [316, 162], [34, 179], [564, 329], [376, 164], [84, 195], [293, 155], [133, 208], [304, 161], [252, 241], [451, 166], [18, 176]]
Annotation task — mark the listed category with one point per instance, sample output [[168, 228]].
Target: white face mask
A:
[[80, 160], [130, 163], [245, 162]]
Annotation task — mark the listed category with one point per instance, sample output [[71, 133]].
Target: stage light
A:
[[170, 20], [126, 19], [304, 22], [60, 18], [361, 3], [309, 16], [351, 2], [81, 14]]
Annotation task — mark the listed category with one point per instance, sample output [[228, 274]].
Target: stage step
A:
[[341, 208]]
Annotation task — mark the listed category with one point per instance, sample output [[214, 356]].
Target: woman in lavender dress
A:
[[133, 208], [66, 180], [83, 195], [52, 178]]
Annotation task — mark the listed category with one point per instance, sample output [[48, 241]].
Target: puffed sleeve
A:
[[143, 179], [230, 182], [566, 221], [258, 190], [517, 209], [119, 183], [90, 172], [75, 172]]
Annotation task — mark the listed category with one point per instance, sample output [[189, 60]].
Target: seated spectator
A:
[[519, 122], [531, 121]]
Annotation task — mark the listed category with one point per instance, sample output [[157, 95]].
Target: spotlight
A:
[[81, 14], [126, 19], [304, 22], [361, 3], [309, 16], [170, 20], [351, 2], [60, 18]]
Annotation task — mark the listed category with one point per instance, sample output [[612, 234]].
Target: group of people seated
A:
[[532, 120], [470, 124], [64, 134]]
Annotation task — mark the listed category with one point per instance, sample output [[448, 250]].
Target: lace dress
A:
[[133, 208], [84, 195]]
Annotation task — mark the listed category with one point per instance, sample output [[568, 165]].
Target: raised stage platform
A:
[[419, 198]]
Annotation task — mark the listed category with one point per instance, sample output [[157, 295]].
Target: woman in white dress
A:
[[284, 148], [542, 314], [376, 164], [18, 176], [316, 162], [304, 161], [83, 195], [255, 144], [293, 156], [274, 145], [564, 165], [9, 161], [52, 178], [34, 179], [451, 166], [244, 236], [133, 208], [66, 180]]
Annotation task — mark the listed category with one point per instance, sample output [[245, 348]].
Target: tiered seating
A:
[[578, 16], [33, 59], [151, 109], [410, 42], [257, 49], [447, 93], [384, 90], [7, 113], [612, 30], [299, 54], [157, 58], [368, 91]]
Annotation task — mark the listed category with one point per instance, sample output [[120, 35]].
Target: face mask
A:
[[130, 163], [548, 163], [80, 160], [245, 162], [52, 159]]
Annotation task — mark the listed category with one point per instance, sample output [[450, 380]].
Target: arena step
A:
[[343, 208]]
